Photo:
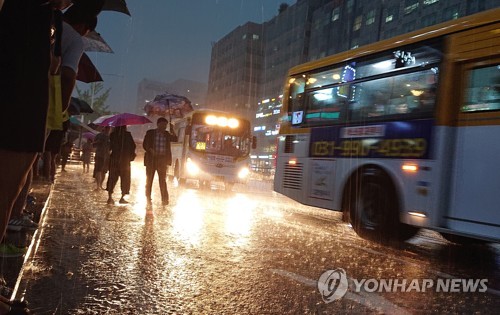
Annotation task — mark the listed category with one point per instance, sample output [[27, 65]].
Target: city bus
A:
[[401, 134], [213, 146]]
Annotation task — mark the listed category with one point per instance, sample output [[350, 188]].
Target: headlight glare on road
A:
[[243, 173], [191, 167]]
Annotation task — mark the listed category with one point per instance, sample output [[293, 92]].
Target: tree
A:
[[96, 97]]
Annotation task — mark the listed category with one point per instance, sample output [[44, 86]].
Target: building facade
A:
[[235, 69]]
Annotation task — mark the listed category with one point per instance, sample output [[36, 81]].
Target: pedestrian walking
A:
[[101, 158], [87, 155], [158, 156], [122, 153], [66, 150]]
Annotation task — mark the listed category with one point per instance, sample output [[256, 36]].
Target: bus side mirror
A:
[[254, 142]]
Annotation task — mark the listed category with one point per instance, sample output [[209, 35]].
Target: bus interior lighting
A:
[[409, 168], [418, 214]]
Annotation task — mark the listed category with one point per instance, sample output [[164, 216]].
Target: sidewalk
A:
[[12, 267]]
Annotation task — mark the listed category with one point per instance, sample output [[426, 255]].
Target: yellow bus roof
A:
[[449, 27]]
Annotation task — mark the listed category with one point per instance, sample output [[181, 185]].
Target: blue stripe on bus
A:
[[395, 139]]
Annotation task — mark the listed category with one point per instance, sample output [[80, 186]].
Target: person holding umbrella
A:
[[158, 156], [122, 153]]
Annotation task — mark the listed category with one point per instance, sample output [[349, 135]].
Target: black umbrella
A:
[[116, 5], [93, 41], [87, 72], [175, 106], [78, 106], [94, 7]]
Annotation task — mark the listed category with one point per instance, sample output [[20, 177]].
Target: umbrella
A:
[[77, 122], [99, 120], [116, 5], [124, 119], [78, 106], [87, 72], [94, 42], [88, 135], [96, 6], [175, 106]]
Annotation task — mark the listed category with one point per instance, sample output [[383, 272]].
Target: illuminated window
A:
[[391, 15], [335, 14], [370, 17], [410, 6], [357, 23], [482, 92], [255, 37], [429, 2]]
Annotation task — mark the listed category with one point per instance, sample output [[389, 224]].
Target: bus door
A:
[[475, 183]]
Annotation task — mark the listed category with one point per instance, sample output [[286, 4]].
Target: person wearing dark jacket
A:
[[122, 153], [158, 156]]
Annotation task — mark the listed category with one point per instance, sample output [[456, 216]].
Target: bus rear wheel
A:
[[374, 209]]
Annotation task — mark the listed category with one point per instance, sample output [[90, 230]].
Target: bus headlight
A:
[[243, 173], [191, 167]]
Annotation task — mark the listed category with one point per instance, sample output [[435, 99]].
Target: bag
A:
[[54, 113]]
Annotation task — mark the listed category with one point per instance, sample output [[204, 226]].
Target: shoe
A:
[[10, 250], [123, 201], [110, 201], [27, 214], [14, 225], [24, 223]]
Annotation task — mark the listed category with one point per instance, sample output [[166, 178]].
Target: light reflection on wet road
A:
[[209, 251]]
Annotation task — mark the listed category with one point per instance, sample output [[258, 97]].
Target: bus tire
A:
[[374, 208]]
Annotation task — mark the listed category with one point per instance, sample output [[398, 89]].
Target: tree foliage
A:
[[96, 96]]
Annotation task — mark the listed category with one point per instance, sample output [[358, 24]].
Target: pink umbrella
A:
[[125, 119], [88, 135]]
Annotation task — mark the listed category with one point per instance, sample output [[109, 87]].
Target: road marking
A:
[[372, 301]]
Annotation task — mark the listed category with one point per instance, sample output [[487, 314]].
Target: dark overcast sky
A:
[[166, 40]]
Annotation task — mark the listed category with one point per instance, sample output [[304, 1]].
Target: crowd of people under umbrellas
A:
[[38, 39]]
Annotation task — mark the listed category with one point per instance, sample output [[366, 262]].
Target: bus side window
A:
[[296, 110], [482, 92]]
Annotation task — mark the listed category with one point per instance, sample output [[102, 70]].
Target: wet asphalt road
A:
[[250, 251]]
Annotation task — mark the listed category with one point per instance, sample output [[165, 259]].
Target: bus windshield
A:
[[221, 141]]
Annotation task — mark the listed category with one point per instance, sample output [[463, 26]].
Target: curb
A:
[[19, 289]]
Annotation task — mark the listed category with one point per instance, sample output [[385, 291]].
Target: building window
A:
[[429, 2], [244, 36], [357, 23], [255, 36], [370, 17], [391, 15], [335, 14], [429, 20], [452, 13], [410, 6]]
